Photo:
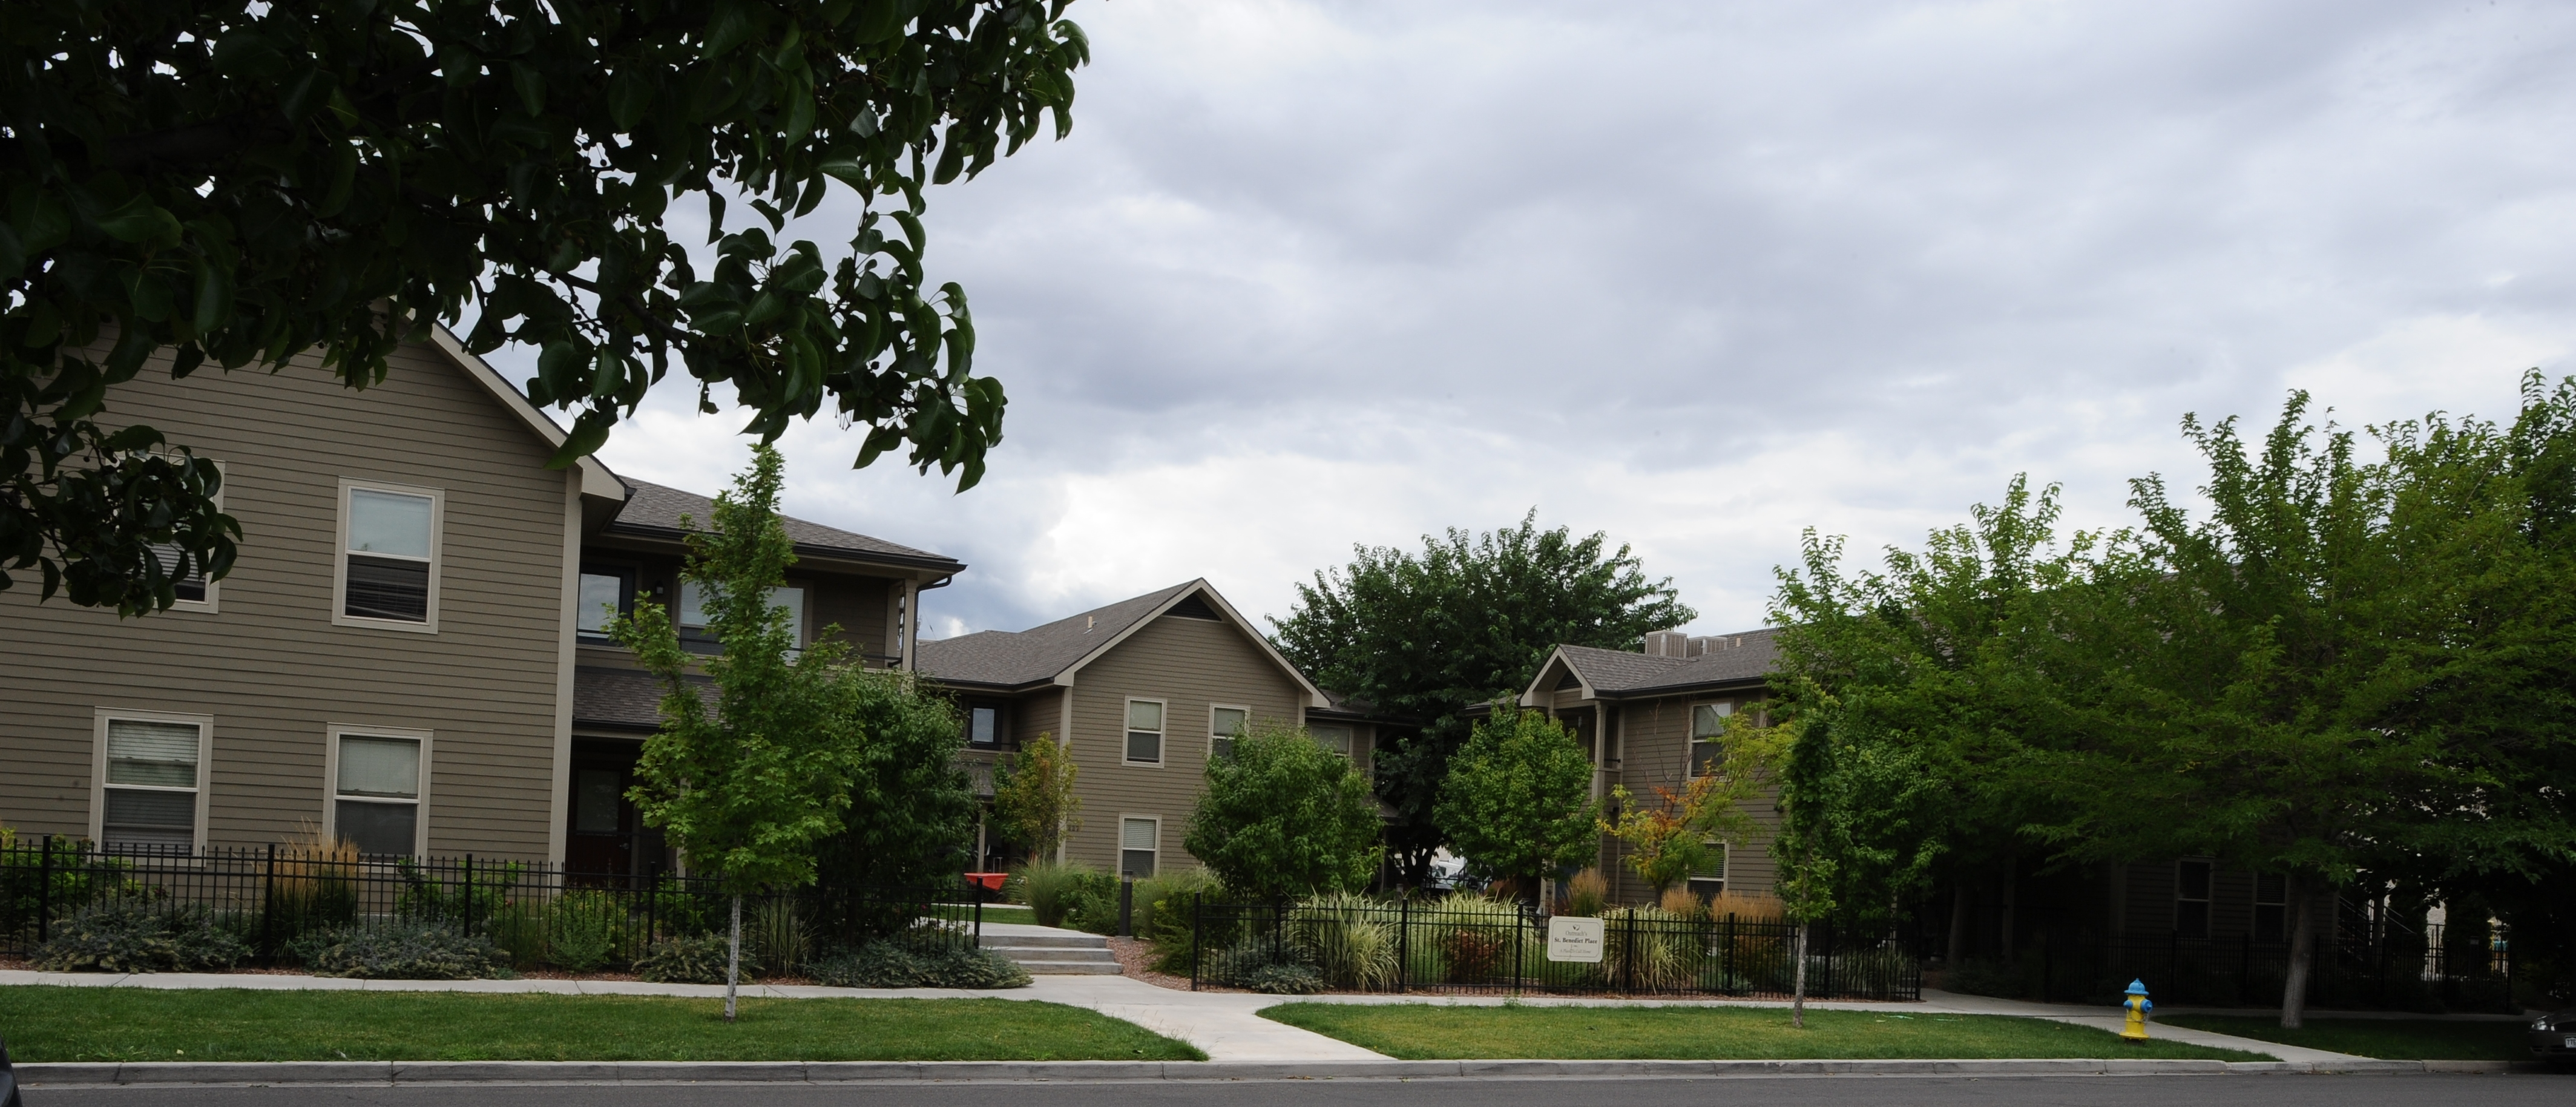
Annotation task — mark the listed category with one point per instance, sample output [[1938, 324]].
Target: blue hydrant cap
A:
[[2137, 988]]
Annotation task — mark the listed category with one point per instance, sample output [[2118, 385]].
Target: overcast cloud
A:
[[1697, 275]]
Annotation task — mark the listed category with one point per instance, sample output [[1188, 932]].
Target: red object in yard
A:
[[990, 882]]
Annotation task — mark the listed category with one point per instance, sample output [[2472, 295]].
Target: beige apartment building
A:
[[405, 654]]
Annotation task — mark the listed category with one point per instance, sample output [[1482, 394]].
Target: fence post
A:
[[268, 908], [1403, 939], [1520, 954], [1198, 934], [1726, 956], [1126, 907], [468, 909], [45, 893]]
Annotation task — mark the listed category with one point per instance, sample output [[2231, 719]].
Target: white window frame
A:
[[1690, 718], [213, 586], [98, 785], [340, 555], [333, 732], [1157, 820], [804, 610], [1725, 866], [1213, 736], [1163, 736], [1351, 754]]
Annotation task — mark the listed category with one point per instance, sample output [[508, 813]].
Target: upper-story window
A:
[[1333, 737], [607, 592], [984, 726], [1144, 732], [388, 572], [1225, 724], [2191, 899], [693, 616], [1708, 737], [193, 590]]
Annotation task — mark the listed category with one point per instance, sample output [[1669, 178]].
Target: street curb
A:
[[920, 1072]]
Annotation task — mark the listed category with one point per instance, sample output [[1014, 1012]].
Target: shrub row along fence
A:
[[272, 900], [2464, 969], [1473, 946]]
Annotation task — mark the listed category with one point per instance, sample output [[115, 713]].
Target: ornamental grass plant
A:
[[1349, 938]]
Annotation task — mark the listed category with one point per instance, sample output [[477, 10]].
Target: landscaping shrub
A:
[[1586, 894], [1649, 947], [1261, 964], [1071, 894], [405, 951], [80, 878], [519, 932], [919, 962], [774, 932], [1163, 914], [697, 959], [1285, 980], [584, 930], [1472, 937], [138, 935], [1348, 938], [431, 896], [1683, 903]]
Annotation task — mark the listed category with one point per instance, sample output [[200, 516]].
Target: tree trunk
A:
[[1798, 992], [2303, 949], [733, 957], [1958, 928]]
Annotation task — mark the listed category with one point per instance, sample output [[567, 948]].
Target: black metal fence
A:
[[542, 915], [1468, 945], [2458, 969]]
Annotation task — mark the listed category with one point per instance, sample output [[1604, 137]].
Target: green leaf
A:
[[629, 97], [214, 299], [137, 220], [13, 257], [530, 84], [731, 26], [589, 433]]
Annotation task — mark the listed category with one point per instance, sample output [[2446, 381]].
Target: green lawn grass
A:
[[1421, 1031], [142, 1024], [2389, 1039], [1005, 913]]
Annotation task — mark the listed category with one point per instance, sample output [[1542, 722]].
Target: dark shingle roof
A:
[[1621, 673], [626, 699], [657, 509], [1012, 658]]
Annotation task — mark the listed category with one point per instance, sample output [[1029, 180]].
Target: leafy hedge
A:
[[698, 959], [410, 951], [918, 963], [138, 935]]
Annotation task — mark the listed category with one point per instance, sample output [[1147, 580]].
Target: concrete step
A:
[[1053, 941], [1071, 968], [1026, 954]]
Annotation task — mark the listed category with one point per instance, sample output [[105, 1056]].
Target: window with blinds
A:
[[389, 555], [1138, 841], [1334, 739], [149, 792], [1708, 737], [1225, 724], [375, 800], [1144, 732]]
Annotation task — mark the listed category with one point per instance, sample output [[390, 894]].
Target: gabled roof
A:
[[655, 510], [1054, 652], [1621, 674], [596, 481]]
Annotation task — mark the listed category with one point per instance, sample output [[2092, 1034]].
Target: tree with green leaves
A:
[[1282, 817], [1518, 798], [749, 790], [241, 183], [1424, 636], [1033, 797], [912, 815]]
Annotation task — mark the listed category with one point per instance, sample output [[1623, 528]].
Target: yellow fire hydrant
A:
[[2134, 1028]]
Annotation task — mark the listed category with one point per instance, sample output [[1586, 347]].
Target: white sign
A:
[[1573, 939]]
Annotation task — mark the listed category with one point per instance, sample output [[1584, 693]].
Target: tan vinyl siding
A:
[[1190, 664], [270, 666], [1655, 751], [859, 605]]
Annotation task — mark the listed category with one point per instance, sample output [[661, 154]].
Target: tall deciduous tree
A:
[[1422, 636], [1518, 797], [1282, 816], [749, 789], [239, 182]]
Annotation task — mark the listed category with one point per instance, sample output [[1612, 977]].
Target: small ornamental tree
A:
[[1669, 839], [913, 813], [1033, 798], [1517, 799], [1284, 817], [748, 790]]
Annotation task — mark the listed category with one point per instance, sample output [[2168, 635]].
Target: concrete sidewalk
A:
[[1226, 1025]]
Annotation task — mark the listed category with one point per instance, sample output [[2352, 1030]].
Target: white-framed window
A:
[[379, 789], [195, 592], [1708, 737], [1140, 841], [148, 790], [2191, 898], [387, 572], [1334, 737], [2271, 907], [1225, 724], [692, 615], [1709, 880], [1145, 732]]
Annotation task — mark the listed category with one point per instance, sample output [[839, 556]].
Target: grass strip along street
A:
[[1424, 1032], [143, 1024], [2387, 1039]]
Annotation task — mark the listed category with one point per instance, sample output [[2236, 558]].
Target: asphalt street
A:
[[1830, 1091]]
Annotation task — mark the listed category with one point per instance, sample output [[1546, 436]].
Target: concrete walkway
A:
[[1227, 1025]]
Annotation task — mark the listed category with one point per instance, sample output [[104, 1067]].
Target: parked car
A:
[[2553, 1037]]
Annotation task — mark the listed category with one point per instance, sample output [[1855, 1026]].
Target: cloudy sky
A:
[[1698, 275]]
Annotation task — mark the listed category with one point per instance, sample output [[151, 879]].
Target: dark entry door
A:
[[606, 839]]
